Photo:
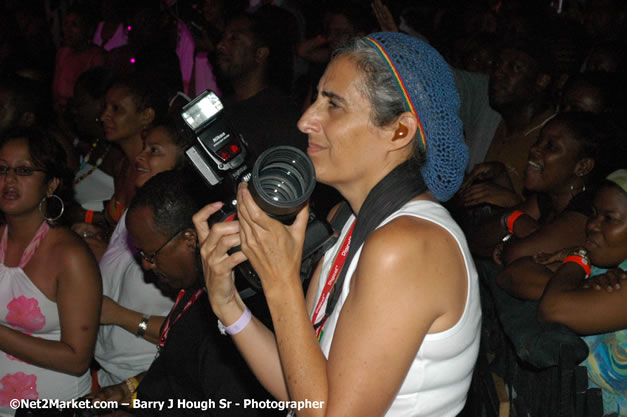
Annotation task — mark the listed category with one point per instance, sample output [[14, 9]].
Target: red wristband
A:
[[511, 219], [89, 216], [320, 39], [581, 261]]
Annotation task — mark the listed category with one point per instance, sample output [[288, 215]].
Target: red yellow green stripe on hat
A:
[[401, 85]]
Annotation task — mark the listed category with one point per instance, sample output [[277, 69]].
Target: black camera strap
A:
[[398, 187]]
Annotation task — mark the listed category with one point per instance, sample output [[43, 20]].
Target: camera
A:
[[281, 180]]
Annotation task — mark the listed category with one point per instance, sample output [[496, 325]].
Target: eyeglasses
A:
[[151, 258], [19, 171]]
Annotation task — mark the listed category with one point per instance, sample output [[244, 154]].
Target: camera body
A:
[[280, 181]]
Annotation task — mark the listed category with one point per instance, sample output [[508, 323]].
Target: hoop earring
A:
[[51, 219]]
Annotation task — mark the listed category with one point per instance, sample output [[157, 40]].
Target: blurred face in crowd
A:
[[174, 263], [212, 10], [480, 60], [121, 119], [84, 112], [75, 31], [602, 60], [606, 230], [512, 80], [8, 112], [160, 154], [553, 159], [238, 48], [582, 97], [338, 29]]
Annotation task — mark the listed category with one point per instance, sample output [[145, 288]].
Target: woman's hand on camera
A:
[[273, 249], [217, 263]]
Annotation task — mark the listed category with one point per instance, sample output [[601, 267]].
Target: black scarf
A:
[[398, 187]]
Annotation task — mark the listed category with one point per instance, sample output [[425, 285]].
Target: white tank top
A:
[[439, 377]]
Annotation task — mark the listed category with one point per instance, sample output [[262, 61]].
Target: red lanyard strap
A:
[[166, 326], [395, 189], [338, 263]]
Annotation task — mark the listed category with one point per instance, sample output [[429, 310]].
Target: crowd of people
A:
[[442, 133]]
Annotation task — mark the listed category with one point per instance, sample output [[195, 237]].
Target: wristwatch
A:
[[580, 257]]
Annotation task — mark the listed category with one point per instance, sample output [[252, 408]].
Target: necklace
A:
[[86, 161], [30, 249], [165, 331]]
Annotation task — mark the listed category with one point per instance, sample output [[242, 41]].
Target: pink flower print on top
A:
[[18, 386], [25, 313]]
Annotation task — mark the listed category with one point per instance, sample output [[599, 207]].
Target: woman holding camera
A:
[[390, 324]]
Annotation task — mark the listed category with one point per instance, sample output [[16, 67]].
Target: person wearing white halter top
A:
[[50, 286]]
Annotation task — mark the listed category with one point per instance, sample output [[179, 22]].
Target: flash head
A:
[[219, 149]]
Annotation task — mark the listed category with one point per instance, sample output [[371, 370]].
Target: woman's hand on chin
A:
[[273, 249], [217, 263]]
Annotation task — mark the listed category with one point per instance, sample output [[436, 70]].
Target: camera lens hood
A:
[[282, 180]]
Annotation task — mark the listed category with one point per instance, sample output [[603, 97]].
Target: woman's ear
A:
[[53, 184], [405, 126], [262, 54], [191, 238], [147, 116], [542, 81], [584, 166]]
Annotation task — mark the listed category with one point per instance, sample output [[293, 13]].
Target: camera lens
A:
[[282, 181]]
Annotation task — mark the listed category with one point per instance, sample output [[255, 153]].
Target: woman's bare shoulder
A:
[[414, 242], [67, 248]]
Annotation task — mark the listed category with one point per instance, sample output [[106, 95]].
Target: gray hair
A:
[[379, 86]]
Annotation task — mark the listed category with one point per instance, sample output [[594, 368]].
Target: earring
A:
[[51, 219], [401, 132], [572, 190]]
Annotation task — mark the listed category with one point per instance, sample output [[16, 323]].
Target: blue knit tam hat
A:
[[427, 85]]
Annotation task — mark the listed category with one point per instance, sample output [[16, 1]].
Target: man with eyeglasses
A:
[[197, 370]]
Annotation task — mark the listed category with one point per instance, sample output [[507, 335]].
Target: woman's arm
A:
[[584, 309], [567, 230], [524, 278], [78, 298], [486, 236], [397, 290], [256, 342]]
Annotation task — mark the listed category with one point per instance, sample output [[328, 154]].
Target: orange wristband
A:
[[581, 261], [511, 219], [89, 216]]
